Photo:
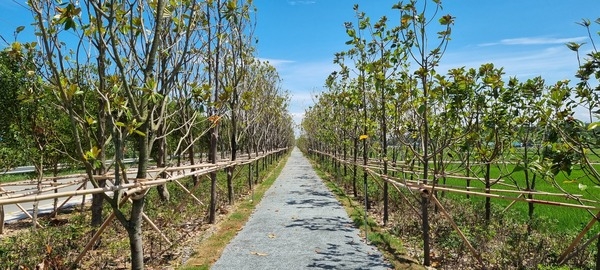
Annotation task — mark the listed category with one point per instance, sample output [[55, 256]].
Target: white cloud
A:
[[277, 63], [552, 63], [298, 116], [303, 80], [293, 3], [534, 41]]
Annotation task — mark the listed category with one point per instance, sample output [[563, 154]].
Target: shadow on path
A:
[[332, 224], [333, 257]]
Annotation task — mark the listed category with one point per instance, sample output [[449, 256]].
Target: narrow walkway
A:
[[299, 225]]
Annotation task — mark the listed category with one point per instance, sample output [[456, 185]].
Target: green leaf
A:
[[90, 120], [593, 125], [139, 133], [446, 20], [518, 168], [573, 46], [19, 29]]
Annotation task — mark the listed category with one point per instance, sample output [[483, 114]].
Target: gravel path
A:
[[299, 225]]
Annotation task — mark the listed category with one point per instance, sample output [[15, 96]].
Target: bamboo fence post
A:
[[577, 239], [56, 209], [188, 192], [587, 243], [511, 204], [147, 219], [178, 208], [2, 219], [92, 241], [19, 206], [464, 238]]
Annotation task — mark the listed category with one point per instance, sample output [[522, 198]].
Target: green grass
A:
[[208, 251], [390, 245], [549, 223], [567, 218]]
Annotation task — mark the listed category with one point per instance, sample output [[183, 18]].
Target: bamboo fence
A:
[[510, 192]]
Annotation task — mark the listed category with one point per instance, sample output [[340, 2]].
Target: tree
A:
[[362, 61], [414, 25], [579, 140], [492, 131], [238, 58], [137, 58], [34, 128]]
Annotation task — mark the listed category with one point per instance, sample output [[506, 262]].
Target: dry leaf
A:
[[258, 253], [272, 235]]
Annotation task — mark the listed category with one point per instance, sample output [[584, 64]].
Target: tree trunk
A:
[[98, 199], [384, 146], [468, 167], [257, 171], [134, 224], [248, 151], [425, 228], [530, 196], [192, 162], [134, 231], [55, 174], [233, 143], [345, 157], [598, 254], [214, 134], [488, 209], [161, 162], [250, 176], [354, 174], [230, 193], [97, 203], [365, 175], [425, 195], [1, 219], [40, 177]]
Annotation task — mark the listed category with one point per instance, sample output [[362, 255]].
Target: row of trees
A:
[[388, 96], [153, 79]]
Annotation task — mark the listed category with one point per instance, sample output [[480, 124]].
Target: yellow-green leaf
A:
[[139, 133], [90, 120]]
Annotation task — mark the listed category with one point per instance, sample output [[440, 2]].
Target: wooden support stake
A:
[[577, 239], [405, 199], [178, 208], [189, 192], [147, 219], [67, 200], [464, 238], [582, 247], [95, 238], [2, 219], [21, 208], [511, 204]]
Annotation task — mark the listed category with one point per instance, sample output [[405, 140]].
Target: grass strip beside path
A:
[[207, 252], [389, 245]]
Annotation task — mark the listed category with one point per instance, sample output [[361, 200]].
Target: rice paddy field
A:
[[565, 188]]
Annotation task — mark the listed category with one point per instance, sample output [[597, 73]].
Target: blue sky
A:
[[300, 37], [525, 37]]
